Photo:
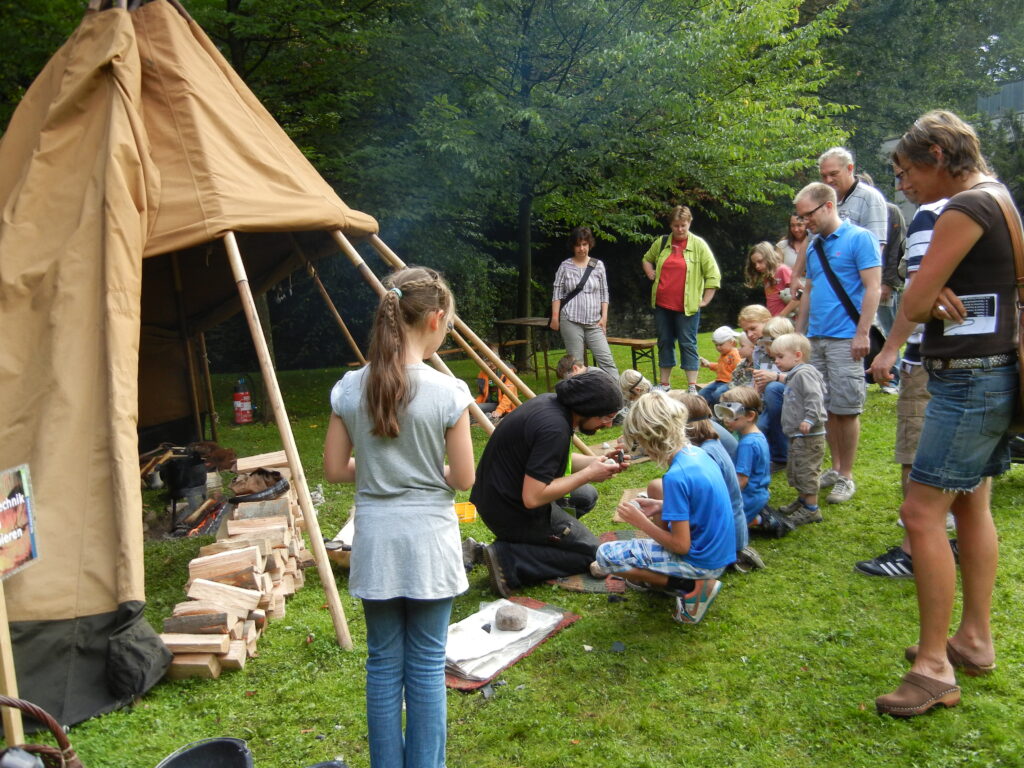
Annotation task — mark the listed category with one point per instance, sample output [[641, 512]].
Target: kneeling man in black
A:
[[525, 493]]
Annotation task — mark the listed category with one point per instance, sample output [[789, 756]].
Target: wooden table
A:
[[506, 332]]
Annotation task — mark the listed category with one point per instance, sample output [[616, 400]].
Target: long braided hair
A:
[[412, 294]]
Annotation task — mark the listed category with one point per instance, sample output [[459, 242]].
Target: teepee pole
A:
[[392, 258], [186, 341], [378, 286], [208, 385], [298, 479]]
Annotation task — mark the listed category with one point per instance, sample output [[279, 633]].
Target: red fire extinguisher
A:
[[242, 402]]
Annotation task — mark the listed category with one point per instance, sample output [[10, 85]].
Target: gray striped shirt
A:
[[585, 307]]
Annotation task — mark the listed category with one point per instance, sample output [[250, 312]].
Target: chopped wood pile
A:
[[238, 583]]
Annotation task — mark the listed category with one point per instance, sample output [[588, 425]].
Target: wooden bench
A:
[[640, 349]]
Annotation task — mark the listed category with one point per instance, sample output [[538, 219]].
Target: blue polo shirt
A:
[[849, 250]]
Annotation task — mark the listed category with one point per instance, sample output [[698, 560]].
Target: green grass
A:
[[782, 673]]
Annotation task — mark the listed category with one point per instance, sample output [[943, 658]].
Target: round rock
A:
[[510, 618]]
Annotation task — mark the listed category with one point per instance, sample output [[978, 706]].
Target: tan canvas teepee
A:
[[136, 144]]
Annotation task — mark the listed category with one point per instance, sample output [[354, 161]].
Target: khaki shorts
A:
[[845, 388], [803, 468], [910, 407]]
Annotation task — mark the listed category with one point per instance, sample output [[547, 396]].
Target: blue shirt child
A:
[[754, 460]]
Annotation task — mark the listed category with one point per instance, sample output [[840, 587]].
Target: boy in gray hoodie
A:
[[803, 421]]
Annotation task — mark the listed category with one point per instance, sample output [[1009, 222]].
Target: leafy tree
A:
[[528, 116], [901, 58]]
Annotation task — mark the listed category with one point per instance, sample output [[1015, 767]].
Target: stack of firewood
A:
[[238, 584]]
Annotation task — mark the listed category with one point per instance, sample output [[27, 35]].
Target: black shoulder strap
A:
[[837, 287], [579, 286]]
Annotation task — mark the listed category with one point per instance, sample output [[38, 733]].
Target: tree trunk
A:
[[523, 351]]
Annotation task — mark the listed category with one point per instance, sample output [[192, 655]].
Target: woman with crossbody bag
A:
[[579, 303], [964, 292]]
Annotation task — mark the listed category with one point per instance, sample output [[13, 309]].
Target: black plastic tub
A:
[[222, 752]]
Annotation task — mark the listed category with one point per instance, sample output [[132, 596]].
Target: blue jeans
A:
[[676, 327], [965, 435], [406, 639], [713, 391], [770, 422]]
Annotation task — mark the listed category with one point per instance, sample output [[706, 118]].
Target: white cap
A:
[[723, 334]]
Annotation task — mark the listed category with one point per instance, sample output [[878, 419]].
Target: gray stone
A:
[[510, 618]]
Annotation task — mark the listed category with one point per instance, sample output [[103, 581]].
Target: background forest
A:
[[478, 134]]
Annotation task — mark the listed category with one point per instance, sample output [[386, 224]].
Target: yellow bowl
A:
[[465, 511]]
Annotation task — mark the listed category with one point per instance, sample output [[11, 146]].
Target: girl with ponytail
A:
[[393, 422]]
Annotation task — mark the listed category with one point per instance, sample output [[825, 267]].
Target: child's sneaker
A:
[[772, 524], [747, 560], [690, 609], [803, 514]]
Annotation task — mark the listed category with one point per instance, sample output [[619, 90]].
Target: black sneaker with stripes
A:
[[894, 564]]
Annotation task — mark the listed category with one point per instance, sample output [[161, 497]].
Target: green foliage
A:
[[901, 58]]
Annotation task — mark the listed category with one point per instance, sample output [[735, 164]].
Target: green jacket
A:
[[701, 269]]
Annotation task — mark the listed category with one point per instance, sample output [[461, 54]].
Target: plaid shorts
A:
[[649, 555]]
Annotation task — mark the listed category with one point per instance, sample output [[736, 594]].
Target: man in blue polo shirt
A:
[[838, 344]]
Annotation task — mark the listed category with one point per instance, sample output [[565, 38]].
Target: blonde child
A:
[[803, 419], [724, 339], [766, 268], [738, 410], [401, 419], [691, 530], [633, 384]]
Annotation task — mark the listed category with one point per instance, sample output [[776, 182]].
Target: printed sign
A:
[[17, 529], [981, 309]]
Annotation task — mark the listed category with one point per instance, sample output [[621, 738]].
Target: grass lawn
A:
[[782, 673]]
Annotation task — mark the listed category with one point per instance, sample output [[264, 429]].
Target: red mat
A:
[[568, 618]]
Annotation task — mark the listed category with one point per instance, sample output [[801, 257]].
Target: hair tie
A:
[[697, 418], [396, 291]]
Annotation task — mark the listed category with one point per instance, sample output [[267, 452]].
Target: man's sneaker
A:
[[828, 478], [772, 524], [803, 515], [747, 560], [690, 609], [893, 564], [842, 490], [494, 573], [472, 553]]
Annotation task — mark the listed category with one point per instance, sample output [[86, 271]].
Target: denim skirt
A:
[[965, 435]]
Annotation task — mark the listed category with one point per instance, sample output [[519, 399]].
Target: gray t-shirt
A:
[[406, 541]]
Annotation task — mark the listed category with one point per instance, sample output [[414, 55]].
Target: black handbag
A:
[[876, 338]]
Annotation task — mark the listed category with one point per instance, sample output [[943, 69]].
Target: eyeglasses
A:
[[806, 216]]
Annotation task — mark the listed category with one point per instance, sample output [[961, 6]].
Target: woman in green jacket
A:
[[685, 276]]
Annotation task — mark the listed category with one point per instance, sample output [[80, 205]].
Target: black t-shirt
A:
[[533, 440], [986, 274]]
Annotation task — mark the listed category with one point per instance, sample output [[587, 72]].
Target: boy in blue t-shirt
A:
[[692, 538], [738, 409]]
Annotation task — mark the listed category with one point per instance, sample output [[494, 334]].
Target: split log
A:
[[238, 542], [248, 510], [236, 631], [195, 643], [199, 624], [249, 463], [185, 665], [200, 607], [259, 619], [237, 653], [239, 601], [225, 566]]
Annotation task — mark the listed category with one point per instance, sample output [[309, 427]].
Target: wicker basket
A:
[[61, 756]]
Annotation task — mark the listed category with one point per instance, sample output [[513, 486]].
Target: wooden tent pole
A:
[[179, 295], [311, 271], [298, 479], [378, 286], [208, 384], [392, 258], [472, 355]]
